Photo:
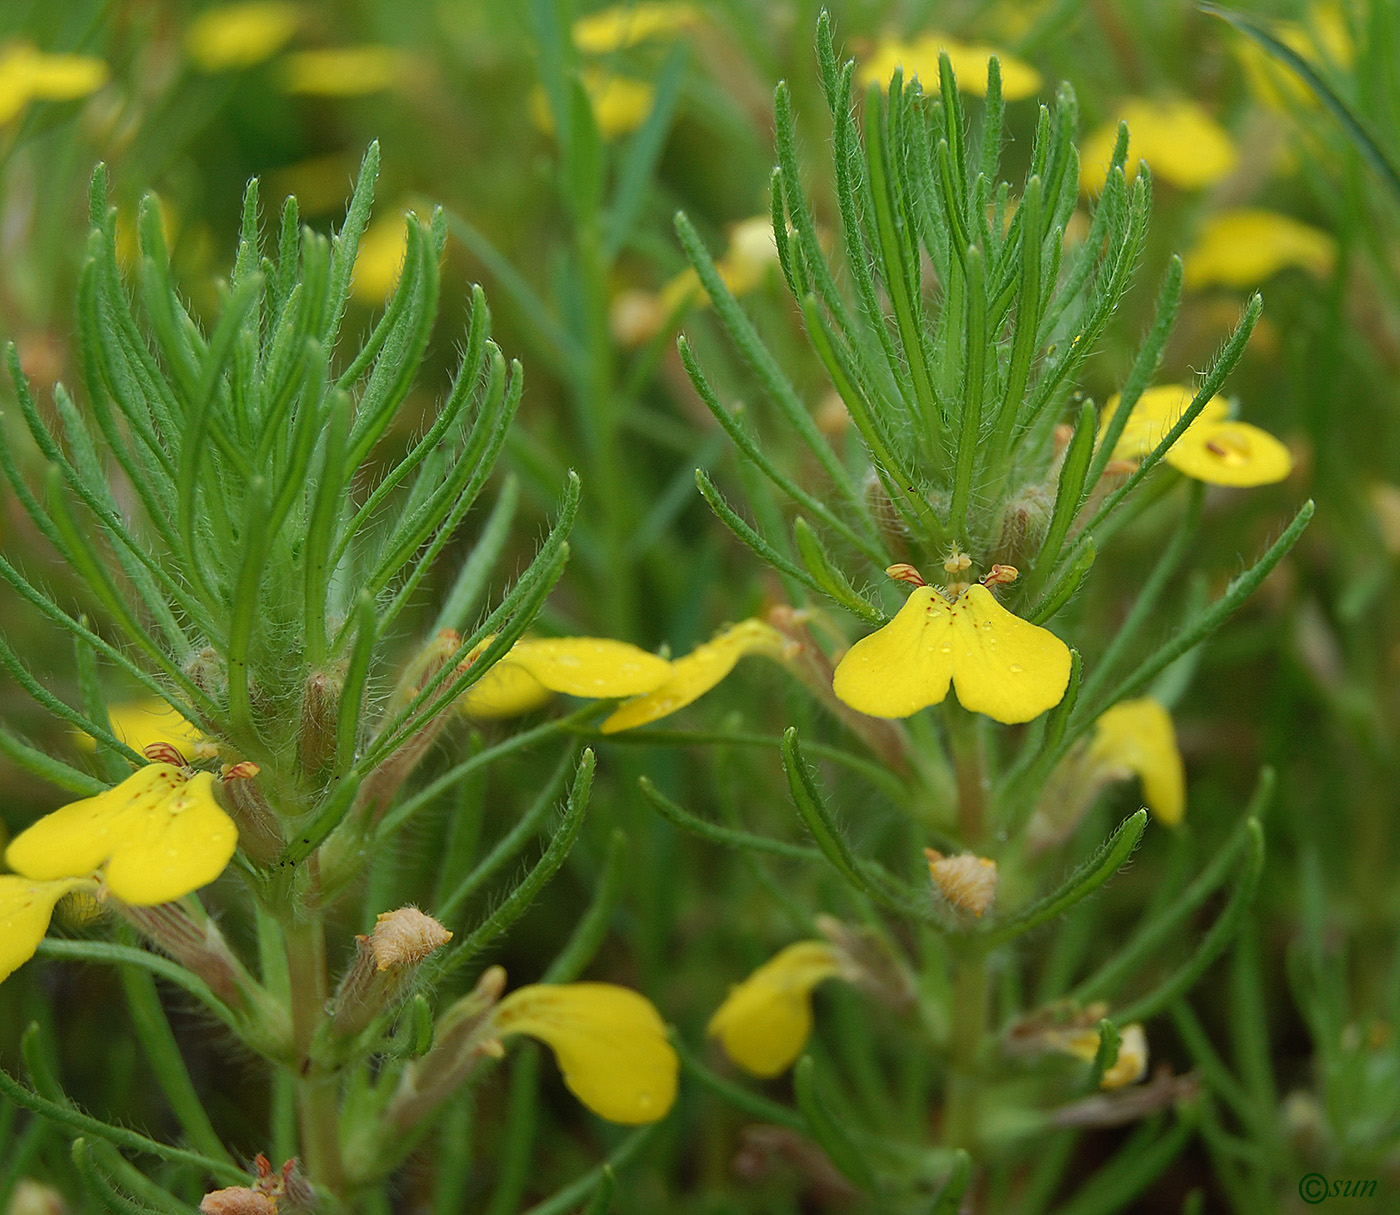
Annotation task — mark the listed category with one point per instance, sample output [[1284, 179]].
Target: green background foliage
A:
[[1270, 974]]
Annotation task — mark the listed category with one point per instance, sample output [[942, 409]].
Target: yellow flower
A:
[[699, 671], [29, 75], [998, 663], [379, 260], [1136, 737], [1244, 247], [158, 835], [765, 1021], [26, 907], [1324, 42], [623, 25], [919, 57], [1181, 142], [1213, 448], [234, 36], [1131, 1064], [139, 723], [637, 316], [620, 103], [344, 71], [610, 1043], [534, 668]]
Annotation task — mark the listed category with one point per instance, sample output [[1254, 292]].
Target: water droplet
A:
[[946, 648], [991, 643], [986, 624], [1015, 668]]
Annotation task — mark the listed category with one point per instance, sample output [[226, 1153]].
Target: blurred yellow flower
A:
[[344, 71], [1324, 42], [623, 25], [26, 906], [1213, 448], [234, 36], [535, 668], [620, 103], [765, 1021], [690, 677], [379, 260], [157, 836], [998, 663], [1385, 514], [1242, 248], [29, 75], [919, 57], [1231, 453], [748, 261], [1136, 738], [610, 1043], [1181, 143], [1131, 1064], [139, 723]]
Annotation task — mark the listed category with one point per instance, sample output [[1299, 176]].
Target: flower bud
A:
[[385, 962], [237, 1200], [259, 834], [967, 881], [380, 786], [464, 1038], [320, 708], [198, 945]]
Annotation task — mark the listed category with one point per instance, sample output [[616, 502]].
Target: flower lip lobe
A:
[[998, 664], [158, 835], [26, 906], [765, 1021], [610, 1043]]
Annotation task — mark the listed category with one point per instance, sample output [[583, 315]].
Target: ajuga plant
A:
[[223, 501], [954, 316]]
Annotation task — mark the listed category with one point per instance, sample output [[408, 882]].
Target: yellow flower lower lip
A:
[[765, 1021], [1182, 143], [1213, 448], [157, 836], [998, 663], [610, 1043], [234, 36], [1137, 735], [535, 668], [918, 57], [26, 905], [1231, 453], [695, 674]]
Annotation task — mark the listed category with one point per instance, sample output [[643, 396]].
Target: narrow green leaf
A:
[[74, 1120], [1350, 122], [518, 901], [832, 580], [591, 930], [470, 584], [728, 837], [1110, 856], [1221, 933], [811, 807], [1152, 936], [744, 532], [825, 1128]]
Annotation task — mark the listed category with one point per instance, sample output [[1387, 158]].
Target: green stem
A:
[[969, 1027], [318, 1113], [970, 771]]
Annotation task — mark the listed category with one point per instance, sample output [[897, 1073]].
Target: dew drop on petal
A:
[[1015, 668]]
